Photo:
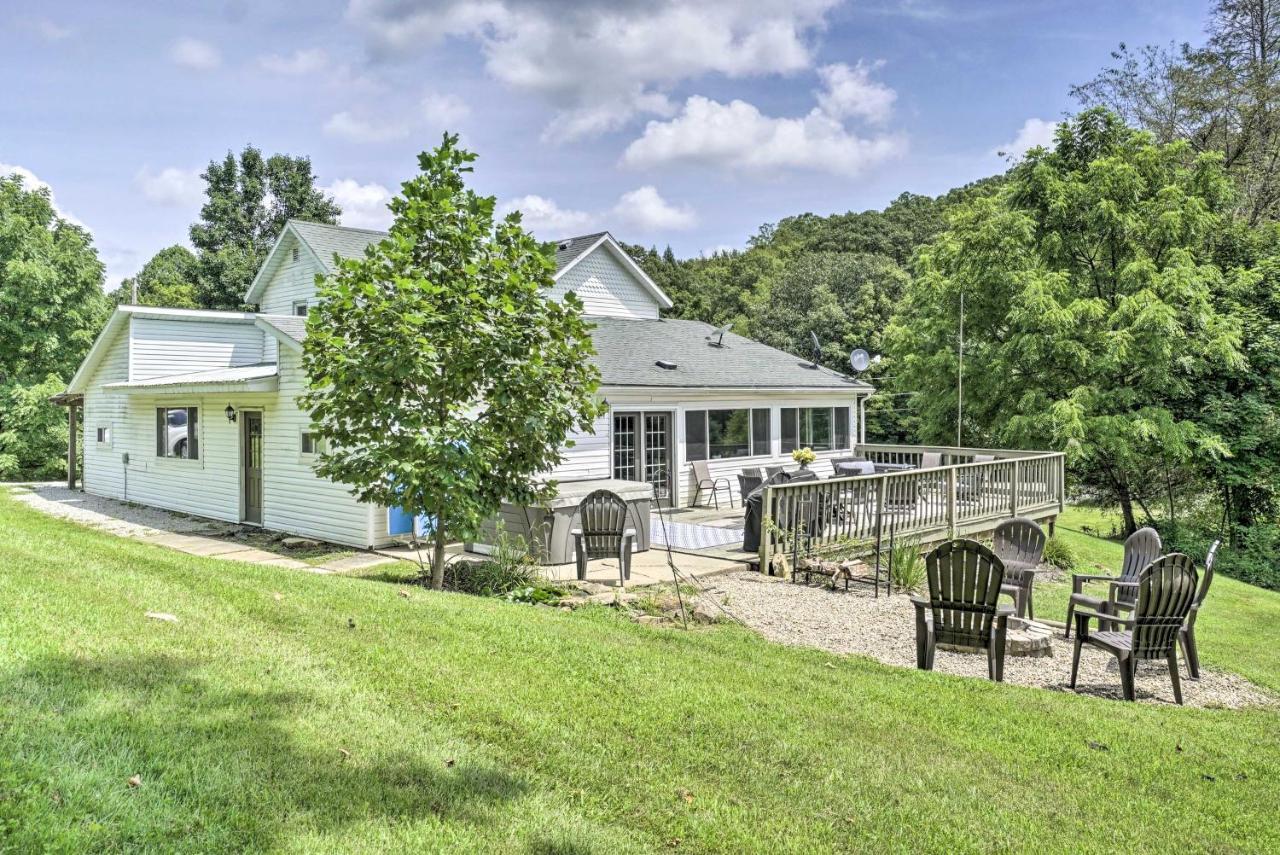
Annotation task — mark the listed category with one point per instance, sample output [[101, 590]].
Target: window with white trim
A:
[[300, 308], [178, 432], [818, 428], [104, 436], [313, 443], [717, 434]]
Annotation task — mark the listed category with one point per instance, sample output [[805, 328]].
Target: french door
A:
[[642, 451]]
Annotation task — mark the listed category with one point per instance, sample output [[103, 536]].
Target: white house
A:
[[197, 411]]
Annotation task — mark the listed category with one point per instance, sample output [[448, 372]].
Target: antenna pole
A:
[[960, 376]]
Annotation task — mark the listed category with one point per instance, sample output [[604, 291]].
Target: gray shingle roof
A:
[[628, 350], [294, 326], [568, 249], [325, 240]]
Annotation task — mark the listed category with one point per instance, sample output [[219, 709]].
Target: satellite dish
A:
[[859, 360], [718, 335]]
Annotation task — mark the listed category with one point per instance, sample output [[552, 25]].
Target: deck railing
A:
[[957, 498]]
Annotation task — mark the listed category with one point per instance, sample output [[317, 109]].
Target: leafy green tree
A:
[[51, 307], [1221, 96], [248, 202], [444, 377], [51, 300], [168, 279], [1089, 286]]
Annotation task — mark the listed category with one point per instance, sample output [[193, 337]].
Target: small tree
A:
[[444, 378]]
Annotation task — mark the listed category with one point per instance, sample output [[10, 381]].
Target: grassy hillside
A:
[[287, 711]]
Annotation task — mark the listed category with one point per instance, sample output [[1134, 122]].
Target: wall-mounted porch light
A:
[[230, 413]]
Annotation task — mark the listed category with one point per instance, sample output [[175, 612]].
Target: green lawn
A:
[[342, 716]]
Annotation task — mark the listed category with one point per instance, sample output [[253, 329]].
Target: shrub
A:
[[1255, 559], [33, 432], [907, 564], [508, 568], [1058, 554]]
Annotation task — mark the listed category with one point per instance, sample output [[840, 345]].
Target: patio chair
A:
[[1165, 591], [603, 533], [705, 481], [747, 483], [770, 471], [1019, 544], [1140, 549], [1187, 635], [971, 483], [752, 472], [962, 608], [931, 460]]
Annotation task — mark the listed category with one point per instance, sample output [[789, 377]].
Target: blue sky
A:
[[665, 121]]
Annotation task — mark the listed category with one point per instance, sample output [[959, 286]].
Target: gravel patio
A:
[[856, 622]]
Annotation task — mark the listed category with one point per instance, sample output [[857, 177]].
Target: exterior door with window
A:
[[251, 464], [642, 451]]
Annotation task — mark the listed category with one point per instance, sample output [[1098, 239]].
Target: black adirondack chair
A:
[[1165, 591], [1187, 635], [603, 533], [1019, 544], [962, 608], [1140, 549]]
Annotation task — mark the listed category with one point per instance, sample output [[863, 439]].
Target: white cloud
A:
[[171, 186], [546, 219], [50, 31], [601, 66], [362, 129], [301, 61], [738, 136], [364, 206], [645, 210], [641, 210], [850, 93], [443, 110], [31, 181], [1034, 132], [194, 54]]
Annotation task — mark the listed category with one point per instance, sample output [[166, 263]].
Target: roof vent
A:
[[295, 254], [665, 365], [564, 244]]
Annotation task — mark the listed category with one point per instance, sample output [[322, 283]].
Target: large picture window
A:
[[819, 428], [718, 434], [178, 432]]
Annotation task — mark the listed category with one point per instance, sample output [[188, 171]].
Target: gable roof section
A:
[[322, 242], [119, 321], [627, 352], [290, 330]]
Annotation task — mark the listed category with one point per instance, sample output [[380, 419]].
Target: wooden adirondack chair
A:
[[603, 533], [1187, 635], [962, 608], [1140, 549], [1019, 544], [1165, 591]]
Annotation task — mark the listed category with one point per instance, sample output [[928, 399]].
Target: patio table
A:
[[848, 468]]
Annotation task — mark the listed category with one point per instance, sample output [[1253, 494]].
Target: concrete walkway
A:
[[181, 532]]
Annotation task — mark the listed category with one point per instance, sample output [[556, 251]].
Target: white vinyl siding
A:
[[606, 288], [590, 456], [164, 347], [291, 282]]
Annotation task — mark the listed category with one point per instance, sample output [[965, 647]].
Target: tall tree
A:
[[51, 299], [1221, 96], [249, 200], [168, 279], [51, 307], [1089, 287], [443, 375]]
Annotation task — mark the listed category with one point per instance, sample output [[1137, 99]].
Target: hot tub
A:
[[545, 527]]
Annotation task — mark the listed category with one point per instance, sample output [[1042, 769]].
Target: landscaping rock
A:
[[299, 543], [613, 597], [704, 614]]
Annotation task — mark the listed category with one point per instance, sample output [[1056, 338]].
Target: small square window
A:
[[312, 443], [300, 308], [104, 435]]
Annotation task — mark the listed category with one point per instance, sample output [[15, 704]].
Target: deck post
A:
[[766, 530], [1014, 486], [951, 502], [71, 446]]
